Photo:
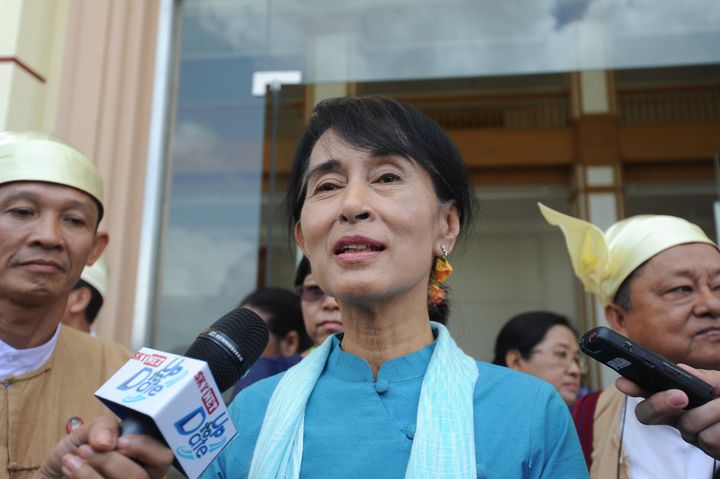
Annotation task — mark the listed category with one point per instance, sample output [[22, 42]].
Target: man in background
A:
[[50, 208], [86, 298], [280, 309], [658, 278]]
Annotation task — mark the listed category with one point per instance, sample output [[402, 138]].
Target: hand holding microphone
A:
[[96, 450], [165, 401], [229, 347]]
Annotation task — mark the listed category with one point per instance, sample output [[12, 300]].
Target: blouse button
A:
[[410, 431], [381, 386]]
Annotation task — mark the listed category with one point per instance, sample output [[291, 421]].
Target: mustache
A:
[[59, 264]]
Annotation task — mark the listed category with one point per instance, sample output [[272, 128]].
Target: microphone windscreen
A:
[[231, 345]]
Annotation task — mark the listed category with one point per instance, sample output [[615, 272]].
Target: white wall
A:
[[515, 263]]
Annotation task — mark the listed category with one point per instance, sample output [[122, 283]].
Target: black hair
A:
[[96, 301], [283, 313], [384, 126], [440, 312], [525, 331], [622, 296], [303, 269]]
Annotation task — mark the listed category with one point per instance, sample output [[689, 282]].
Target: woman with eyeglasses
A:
[[545, 345], [321, 313]]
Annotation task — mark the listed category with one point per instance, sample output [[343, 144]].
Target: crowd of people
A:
[[360, 376]]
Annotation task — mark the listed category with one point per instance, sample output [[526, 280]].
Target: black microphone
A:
[[157, 380], [229, 346]]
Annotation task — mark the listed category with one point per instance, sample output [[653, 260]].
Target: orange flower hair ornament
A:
[[442, 270]]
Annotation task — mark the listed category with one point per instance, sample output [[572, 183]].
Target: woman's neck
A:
[[384, 333]]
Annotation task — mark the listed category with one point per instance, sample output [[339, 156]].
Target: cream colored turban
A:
[[97, 275], [602, 261], [36, 156]]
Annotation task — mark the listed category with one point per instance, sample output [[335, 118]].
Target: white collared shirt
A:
[[14, 362], [657, 452]]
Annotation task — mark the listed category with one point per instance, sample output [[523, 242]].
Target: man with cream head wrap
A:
[[86, 297], [50, 207], [658, 278]]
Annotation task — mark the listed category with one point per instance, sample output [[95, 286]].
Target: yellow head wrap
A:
[[97, 275], [602, 261], [37, 156]]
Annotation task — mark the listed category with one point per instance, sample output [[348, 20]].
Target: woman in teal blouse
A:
[[378, 198]]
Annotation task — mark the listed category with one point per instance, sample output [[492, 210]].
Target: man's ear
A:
[[78, 300], [101, 241], [513, 360], [616, 316], [289, 344]]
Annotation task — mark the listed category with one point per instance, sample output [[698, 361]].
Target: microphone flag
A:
[[177, 397]]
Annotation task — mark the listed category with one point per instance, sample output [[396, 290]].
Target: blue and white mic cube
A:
[[180, 397]]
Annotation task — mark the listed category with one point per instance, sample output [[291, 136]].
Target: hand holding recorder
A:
[[650, 371], [699, 426], [677, 395]]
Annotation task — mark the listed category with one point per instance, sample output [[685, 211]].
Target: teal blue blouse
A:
[[358, 427]]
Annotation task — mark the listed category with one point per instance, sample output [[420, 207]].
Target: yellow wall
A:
[[32, 34]]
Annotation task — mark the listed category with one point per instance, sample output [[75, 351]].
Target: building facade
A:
[[191, 109]]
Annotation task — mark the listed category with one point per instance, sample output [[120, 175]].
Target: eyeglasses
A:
[[310, 293], [562, 357]]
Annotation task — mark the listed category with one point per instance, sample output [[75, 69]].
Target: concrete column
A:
[[329, 57], [598, 174], [104, 109], [31, 50]]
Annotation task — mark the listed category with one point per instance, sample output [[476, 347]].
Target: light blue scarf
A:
[[444, 443]]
